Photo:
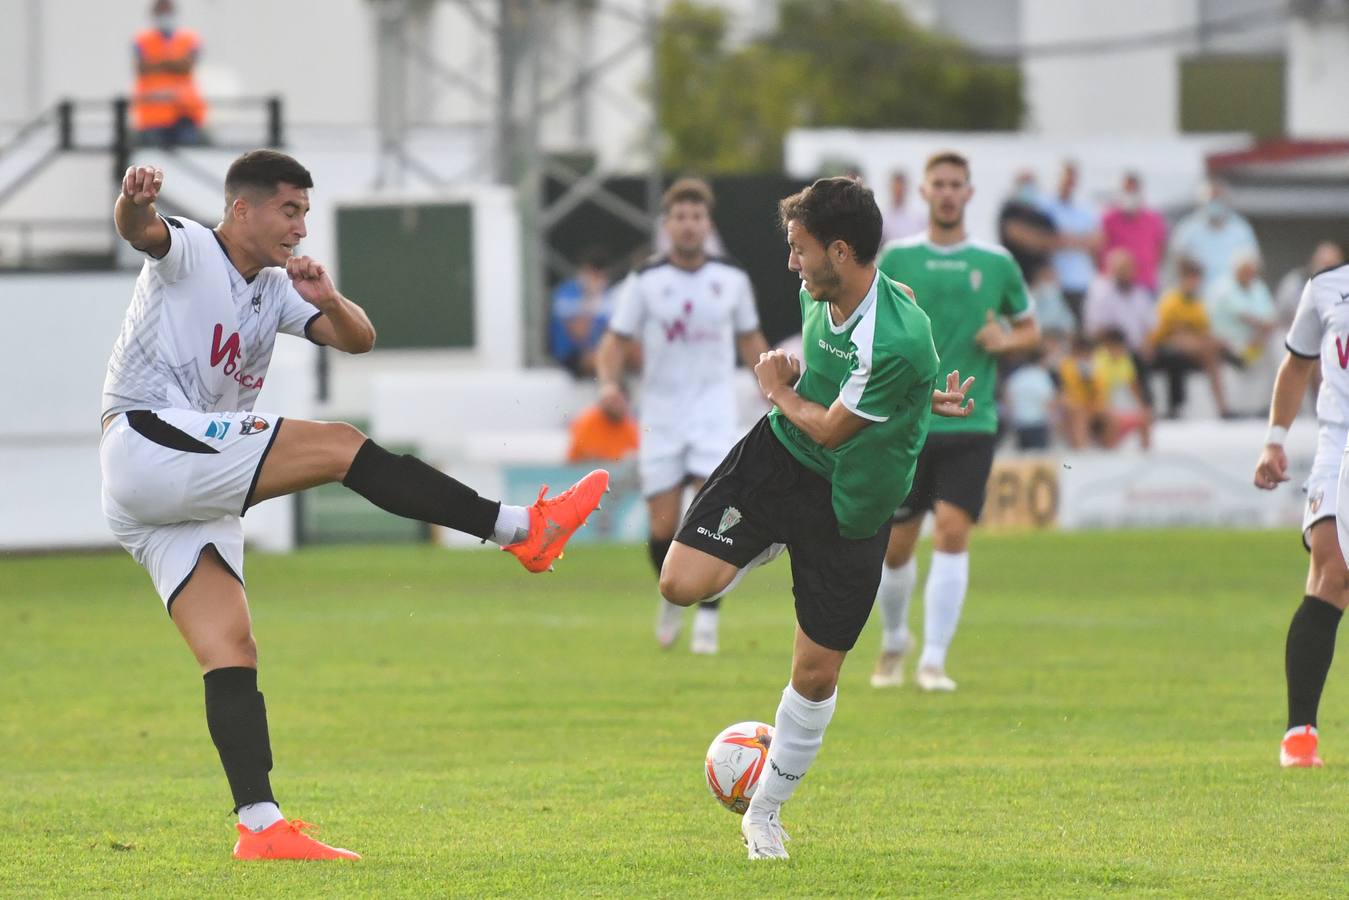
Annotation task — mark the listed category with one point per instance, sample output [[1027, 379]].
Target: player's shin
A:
[[408, 487], [1307, 656], [892, 597], [237, 719], [943, 597], [798, 732]]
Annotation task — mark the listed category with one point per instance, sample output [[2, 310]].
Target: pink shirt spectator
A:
[[1143, 234]]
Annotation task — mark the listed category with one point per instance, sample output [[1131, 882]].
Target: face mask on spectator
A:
[[165, 22], [1216, 210], [1130, 201]]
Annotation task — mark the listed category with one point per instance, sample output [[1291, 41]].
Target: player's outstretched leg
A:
[[1311, 646], [211, 612], [306, 454]]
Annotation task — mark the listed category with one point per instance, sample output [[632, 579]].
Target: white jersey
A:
[[687, 323], [197, 335], [1320, 330]]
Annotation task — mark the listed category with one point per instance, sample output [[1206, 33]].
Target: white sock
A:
[[257, 816], [893, 599], [767, 555], [943, 596], [512, 525], [798, 732], [1299, 729], [705, 619]]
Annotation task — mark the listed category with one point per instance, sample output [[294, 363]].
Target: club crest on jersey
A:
[[257, 302], [1314, 501], [976, 279], [729, 519], [253, 425], [217, 429]]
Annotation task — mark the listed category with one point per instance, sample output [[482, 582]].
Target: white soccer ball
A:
[[735, 761]]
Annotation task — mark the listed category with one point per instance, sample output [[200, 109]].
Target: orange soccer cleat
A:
[[554, 520], [286, 840], [1298, 750]]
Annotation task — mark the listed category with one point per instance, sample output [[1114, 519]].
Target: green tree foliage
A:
[[845, 63]]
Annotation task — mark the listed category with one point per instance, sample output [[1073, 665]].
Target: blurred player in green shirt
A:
[[967, 288]]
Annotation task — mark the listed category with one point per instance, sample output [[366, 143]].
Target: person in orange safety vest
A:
[[166, 109]]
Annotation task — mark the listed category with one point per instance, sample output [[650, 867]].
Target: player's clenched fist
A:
[[310, 279], [1272, 468], [141, 184]]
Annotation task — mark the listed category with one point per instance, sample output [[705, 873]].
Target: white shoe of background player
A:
[[931, 678], [669, 622], [704, 640]]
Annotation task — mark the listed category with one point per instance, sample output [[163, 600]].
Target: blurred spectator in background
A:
[[896, 220], [166, 108], [581, 309], [1025, 229], [1138, 229], [1102, 394], [1244, 320], [1183, 341], [1327, 255], [600, 435], [1213, 235], [1079, 238], [1051, 310], [1029, 394], [1116, 301]]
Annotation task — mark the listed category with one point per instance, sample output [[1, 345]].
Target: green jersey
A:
[[957, 286], [881, 363]]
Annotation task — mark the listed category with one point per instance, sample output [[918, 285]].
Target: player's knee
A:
[[345, 441], [679, 587], [815, 682]]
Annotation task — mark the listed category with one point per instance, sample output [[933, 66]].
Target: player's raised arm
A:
[[831, 426], [1290, 386], [137, 220], [344, 324], [951, 402]]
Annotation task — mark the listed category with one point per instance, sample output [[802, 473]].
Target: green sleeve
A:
[[875, 392]]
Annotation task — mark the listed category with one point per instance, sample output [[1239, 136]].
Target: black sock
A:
[[408, 487], [237, 719], [1307, 656], [657, 549], [710, 604]]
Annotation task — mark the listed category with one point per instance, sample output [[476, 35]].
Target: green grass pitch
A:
[[475, 731]]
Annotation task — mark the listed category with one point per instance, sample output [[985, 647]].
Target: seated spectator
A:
[[581, 309], [1327, 255], [1242, 312], [1025, 229], [1117, 301], [1102, 394], [1051, 309], [1183, 341], [597, 436], [1029, 394]]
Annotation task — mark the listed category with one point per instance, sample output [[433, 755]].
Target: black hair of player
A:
[[262, 171], [837, 209]]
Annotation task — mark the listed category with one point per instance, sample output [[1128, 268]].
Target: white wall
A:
[[1318, 73], [49, 411], [1130, 93]]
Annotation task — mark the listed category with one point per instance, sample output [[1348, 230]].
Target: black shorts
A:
[[760, 495], [953, 468]]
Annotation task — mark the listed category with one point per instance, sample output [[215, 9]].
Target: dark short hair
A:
[[1112, 336], [837, 209], [263, 171], [947, 157], [1188, 265], [687, 190]]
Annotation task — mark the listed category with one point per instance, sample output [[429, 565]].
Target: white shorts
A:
[[177, 480], [667, 457], [1323, 484]]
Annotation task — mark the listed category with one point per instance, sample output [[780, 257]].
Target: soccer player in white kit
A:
[[1319, 336], [689, 315], [184, 455]]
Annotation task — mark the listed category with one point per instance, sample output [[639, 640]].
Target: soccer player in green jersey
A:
[[966, 288], [822, 473]]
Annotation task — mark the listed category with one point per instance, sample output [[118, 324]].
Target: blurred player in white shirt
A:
[[689, 315], [1318, 338]]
